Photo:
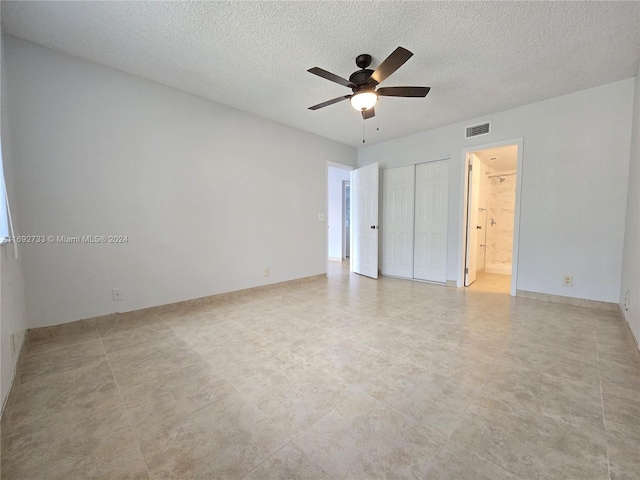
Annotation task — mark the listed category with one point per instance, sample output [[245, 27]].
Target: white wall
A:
[[575, 164], [207, 195], [12, 307], [631, 258], [334, 213]]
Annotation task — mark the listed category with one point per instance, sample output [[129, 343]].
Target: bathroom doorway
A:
[[346, 219], [491, 219]]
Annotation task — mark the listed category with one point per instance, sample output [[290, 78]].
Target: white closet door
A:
[[397, 221], [432, 202]]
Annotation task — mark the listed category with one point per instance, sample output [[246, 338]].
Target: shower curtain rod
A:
[[503, 175]]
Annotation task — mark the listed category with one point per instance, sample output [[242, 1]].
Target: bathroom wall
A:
[[501, 200], [482, 216]]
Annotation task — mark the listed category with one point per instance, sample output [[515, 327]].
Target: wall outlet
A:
[[321, 217], [265, 271], [117, 294], [12, 344], [626, 300], [567, 280]]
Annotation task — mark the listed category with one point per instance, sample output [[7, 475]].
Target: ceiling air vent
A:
[[476, 130]]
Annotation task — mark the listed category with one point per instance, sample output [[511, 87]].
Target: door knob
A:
[[479, 227], [374, 227]]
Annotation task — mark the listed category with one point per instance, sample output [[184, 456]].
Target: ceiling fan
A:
[[363, 83]]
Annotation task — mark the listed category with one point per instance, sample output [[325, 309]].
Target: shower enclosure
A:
[[499, 215]]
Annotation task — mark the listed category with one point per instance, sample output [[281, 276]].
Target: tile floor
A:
[[348, 378], [491, 282]]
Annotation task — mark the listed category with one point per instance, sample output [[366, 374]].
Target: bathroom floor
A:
[[337, 379], [491, 282]]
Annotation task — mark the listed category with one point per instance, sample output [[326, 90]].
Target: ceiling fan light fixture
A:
[[362, 101]]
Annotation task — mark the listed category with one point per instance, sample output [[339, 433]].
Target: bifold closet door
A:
[[431, 208], [397, 221]]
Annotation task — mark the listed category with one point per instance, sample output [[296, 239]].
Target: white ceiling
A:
[[478, 57], [505, 159]]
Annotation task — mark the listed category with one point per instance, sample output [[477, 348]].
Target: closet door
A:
[[432, 202], [397, 221]]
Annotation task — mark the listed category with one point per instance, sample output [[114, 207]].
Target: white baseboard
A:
[[630, 335], [576, 302], [498, 268]]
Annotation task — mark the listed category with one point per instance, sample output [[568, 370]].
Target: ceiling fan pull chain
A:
[[363, 130]]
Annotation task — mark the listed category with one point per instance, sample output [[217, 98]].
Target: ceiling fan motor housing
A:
[[360, 79]]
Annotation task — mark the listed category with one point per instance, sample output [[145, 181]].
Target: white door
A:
[[397, 221], [364, 216], [472, 221], [432, 204]]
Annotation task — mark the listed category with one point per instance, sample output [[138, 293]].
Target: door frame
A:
[[345, 184], [464, 188], [341, 166], [471, 206]]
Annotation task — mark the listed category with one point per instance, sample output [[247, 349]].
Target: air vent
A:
[[477, 130]]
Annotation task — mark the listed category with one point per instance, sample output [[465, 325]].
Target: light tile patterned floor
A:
[[491, 282], [340, 379]]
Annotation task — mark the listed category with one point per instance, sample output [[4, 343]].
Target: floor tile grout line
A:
[[167, 427], [298, 434], [604, 419], [466, 413], [515, 477], [435, 459], [221, 375], [407, 360], [124, 407], [232, 384], [58, 347]]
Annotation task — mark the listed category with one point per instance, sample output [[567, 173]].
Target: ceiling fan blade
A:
[[392, 63], [330, 76], [403, 91], [329, 102], [369, 113]]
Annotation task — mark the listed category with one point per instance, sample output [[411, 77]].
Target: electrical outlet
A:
[[117, 294], [567, 280], [321, 217], [12, 343], [626, 300], [265, 271]]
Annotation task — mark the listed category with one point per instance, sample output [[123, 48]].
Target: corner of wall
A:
[[630, 275], [12, 300]]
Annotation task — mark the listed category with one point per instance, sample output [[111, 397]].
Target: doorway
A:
[[492, 217], [338, 207], [346, 219]]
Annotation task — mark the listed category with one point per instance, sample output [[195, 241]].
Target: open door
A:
[[364, 216], [472, 222]]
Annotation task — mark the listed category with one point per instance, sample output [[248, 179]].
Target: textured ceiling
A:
[[478, 57]]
